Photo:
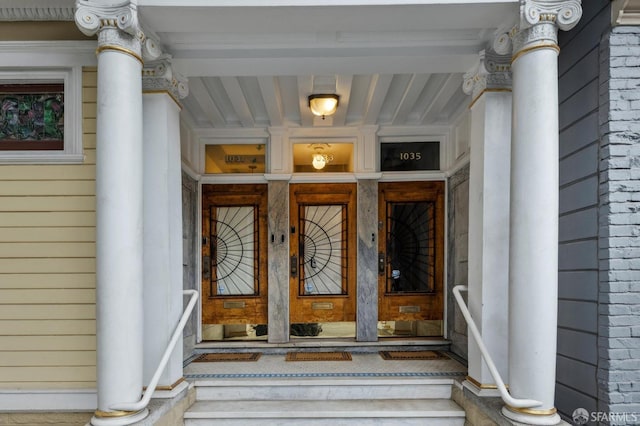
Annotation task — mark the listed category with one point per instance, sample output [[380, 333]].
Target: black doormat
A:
[[228, 357], [412, 355], [318, 356]]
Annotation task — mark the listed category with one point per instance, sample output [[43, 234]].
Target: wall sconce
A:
[[319, 158], [323, 105]]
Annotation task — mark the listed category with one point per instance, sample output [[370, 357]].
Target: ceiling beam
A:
[[238, 100], [305, 88], [201, 94], [377, 93], [410, 96], [447, 90], [343, 89], [270, 90]]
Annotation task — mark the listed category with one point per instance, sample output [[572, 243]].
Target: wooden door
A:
[[411, 251], [323, 246], [234, 254]]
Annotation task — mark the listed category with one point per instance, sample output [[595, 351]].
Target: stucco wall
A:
[[47, 268]]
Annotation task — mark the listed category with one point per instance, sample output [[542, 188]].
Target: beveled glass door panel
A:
[[411, 251], [322, 264], [234, 236]]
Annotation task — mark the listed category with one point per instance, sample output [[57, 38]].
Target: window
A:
[[40, 116]]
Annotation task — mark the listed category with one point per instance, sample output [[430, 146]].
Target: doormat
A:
[[318, 356], [412, 355], [228, 357]]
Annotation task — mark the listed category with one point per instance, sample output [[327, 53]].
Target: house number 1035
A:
[[410, 156]]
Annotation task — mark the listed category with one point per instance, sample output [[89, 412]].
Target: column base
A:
[[530, 416], [118, 418], [480, 389]]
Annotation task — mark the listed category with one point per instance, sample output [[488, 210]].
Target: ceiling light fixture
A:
[[319, 158], [324, 104]]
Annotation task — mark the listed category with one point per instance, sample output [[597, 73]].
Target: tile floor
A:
[[361, 365]]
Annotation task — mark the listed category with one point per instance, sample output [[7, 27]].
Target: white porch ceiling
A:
[[252, 64]]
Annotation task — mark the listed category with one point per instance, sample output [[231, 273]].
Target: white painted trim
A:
[[35, 54], [232, 178], [72, 80], [189, 171], [198, 274], [12, 400]]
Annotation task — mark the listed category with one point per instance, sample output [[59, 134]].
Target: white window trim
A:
[[72, 79]]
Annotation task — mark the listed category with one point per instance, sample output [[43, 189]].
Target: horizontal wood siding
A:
[[579, 67], [47, 268]]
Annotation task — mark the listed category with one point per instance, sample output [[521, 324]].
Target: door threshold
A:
[[437, 343]]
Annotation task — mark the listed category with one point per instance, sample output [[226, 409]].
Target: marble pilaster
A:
[[278, 255], [367, 284]]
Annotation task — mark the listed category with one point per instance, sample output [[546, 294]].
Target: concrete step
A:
[[323, 389], [436, 412]]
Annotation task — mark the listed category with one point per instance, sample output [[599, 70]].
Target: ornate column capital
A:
[[538, 25], [492, 72], [159, 76], [116, 23]]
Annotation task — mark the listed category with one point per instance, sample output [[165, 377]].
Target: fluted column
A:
[[489, 85], [533, 250], [162, 187], [119, 214]]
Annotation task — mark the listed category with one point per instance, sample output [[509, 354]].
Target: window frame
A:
[[71, 78]]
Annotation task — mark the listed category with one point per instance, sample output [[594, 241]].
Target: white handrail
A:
[[137, 406], [504, 393]]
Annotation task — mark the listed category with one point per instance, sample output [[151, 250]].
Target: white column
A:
[[162, 186], [118, 208], [533, 253], [490, 86]]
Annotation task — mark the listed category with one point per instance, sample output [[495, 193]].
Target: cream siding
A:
[[47, 268]]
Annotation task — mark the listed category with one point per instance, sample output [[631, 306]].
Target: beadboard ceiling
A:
[[252, 64]]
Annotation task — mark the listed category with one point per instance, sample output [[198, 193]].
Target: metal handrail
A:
[[504, 393], [137, 406]]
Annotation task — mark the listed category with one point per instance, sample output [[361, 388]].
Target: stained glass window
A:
[[31, 117]]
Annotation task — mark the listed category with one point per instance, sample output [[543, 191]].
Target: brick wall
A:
[[619, 225]]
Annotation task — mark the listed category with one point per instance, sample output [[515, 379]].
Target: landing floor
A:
[[361, 365]]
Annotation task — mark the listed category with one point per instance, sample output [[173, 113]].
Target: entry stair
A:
[[321, 402], [351, 400]]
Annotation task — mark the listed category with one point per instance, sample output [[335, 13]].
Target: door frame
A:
[[343, 193], [438, 194]]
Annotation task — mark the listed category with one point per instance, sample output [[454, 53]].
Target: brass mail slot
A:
[[316, 306], [234, 305], [409, 309]]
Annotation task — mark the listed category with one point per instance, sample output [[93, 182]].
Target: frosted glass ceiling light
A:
[[318, 162], [323, 105]]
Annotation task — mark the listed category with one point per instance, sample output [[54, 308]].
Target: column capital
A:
[[117, 26], [538, 25], [492, 72], [159, 76]]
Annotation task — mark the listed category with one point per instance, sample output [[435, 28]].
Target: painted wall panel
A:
[[580, 134], [579, 87], [48, 281], [578, 285], [47, 268]]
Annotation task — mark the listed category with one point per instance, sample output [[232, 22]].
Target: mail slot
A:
[[318, 306], [409, 309], [234, 305]]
